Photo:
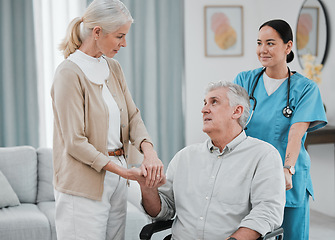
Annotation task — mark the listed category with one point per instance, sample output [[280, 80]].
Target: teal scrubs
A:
[[269, 124]]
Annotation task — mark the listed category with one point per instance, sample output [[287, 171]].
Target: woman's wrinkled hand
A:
[[134, 174], [142, 182], [152, 167]]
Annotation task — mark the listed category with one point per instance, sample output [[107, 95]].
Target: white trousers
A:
[[79, 218]]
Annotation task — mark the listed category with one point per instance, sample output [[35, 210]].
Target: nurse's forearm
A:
[[295, 135]]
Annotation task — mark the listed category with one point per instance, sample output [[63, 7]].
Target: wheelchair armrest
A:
[[149, 229], [275, 233]]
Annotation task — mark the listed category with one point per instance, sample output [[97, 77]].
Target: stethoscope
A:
[[287, 111]]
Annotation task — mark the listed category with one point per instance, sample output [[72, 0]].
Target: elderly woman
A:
[[95, 118]]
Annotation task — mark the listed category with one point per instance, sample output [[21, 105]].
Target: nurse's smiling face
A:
[[271, 49]]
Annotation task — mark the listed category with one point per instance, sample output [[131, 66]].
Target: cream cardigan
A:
[[81, 125]]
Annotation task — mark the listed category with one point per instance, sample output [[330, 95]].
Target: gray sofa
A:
[[27, 204]]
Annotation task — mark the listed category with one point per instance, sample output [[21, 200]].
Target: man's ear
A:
[[238, 112]]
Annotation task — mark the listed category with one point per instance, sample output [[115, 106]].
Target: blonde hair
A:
[[110, 15]]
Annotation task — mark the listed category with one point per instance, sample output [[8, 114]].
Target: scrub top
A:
[[269, 124]]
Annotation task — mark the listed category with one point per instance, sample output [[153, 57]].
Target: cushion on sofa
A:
[[8, 197], [48, 208], [19, 165], [45, 173], [23, 222]]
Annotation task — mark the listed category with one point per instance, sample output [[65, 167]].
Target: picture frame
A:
[[223, 30], [308, 31]]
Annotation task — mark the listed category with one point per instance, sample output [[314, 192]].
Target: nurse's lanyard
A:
[[287, 111]]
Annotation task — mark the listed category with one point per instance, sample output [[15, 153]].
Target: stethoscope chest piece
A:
[[287, 111]]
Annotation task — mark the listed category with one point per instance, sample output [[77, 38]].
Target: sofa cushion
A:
[[45, 173], [8, 197], [19, 165], [23, 222], [48, 208]]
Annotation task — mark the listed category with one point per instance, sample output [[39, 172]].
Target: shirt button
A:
[[207, 198], [201, 218], [121, 109], [123, 125]]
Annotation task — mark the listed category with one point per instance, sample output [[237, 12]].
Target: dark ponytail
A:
[[285, 32], [290, 57]]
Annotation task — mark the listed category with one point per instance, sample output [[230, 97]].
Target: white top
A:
[[271, 84], [97, 71], [213, 193]]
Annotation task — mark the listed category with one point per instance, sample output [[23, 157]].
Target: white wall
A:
[[200, 70]]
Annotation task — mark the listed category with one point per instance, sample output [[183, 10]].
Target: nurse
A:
[[286, 105]]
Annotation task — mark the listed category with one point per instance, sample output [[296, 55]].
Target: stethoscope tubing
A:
[[287, 111]]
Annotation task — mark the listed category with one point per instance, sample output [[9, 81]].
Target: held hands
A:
[[149, 175], [151, 172], [136, 174], [152, 167]]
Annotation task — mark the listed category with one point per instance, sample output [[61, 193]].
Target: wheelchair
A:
[[149, 229]]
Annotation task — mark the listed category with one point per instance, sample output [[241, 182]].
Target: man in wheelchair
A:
[[228, 187]]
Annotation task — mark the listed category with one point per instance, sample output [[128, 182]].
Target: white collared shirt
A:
[[213, 193]]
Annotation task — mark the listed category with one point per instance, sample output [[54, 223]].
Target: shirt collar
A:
[[83, 56], [230, 146]]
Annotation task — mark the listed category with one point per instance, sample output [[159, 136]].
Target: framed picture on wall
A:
[[223, 31], [308, 31]]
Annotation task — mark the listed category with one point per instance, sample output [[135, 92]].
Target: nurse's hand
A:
[[288, 179]]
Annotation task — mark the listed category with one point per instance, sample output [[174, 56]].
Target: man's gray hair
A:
[[237, 95]]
